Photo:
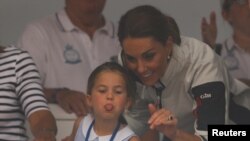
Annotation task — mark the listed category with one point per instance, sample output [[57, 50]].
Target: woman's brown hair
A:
[[147, 21]]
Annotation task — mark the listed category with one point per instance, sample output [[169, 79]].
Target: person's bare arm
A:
[[69, 100], [71, 137], [245, 81], [43, 125], [165, 122], [150, 135], [135, 138]]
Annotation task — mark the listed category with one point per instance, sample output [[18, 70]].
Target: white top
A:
[[196, 90], [20, 93], [123, 134], [64, 54], [236, 59]]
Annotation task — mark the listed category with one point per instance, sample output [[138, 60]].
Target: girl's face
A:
[[147, 58], [108, 97]]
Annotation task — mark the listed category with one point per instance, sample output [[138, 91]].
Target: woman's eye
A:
[[130, 59], [149, 56]]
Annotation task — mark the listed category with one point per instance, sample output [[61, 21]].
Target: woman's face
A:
[[147, 58]]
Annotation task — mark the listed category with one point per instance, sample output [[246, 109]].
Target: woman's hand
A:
[[163, 120]]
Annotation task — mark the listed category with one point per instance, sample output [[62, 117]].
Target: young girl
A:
[[111, 91]]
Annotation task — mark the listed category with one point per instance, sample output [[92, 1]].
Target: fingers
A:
[[208, 25], [79, 108], [73, 102], [204, 22], [152, 108], [161, 117], [45, 139], [209, 30], [204, 26], [65, 106], [213, 18], [68, 138]]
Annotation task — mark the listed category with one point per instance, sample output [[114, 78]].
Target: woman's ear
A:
[[169, 45], [170, 41]]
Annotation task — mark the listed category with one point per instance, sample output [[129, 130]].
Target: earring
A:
[[169, 57]]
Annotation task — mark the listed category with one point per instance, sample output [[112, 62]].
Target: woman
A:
[[182, 76]]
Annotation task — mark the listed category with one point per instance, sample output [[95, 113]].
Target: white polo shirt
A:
[[123, 134], [236, 59], [64, 54]]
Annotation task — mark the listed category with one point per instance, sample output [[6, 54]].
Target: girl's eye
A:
[[102, 89], [118, 90]]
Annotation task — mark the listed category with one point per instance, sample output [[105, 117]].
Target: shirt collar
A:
[[68, 26], [230, 43], [173, 66], [64, 21]]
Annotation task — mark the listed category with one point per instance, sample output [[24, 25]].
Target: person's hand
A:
[[162, 120], [73, 102], [68, 138], [45, 138], [45, 135], [209, 30], [71, 137], [42, 125], [246, 81]]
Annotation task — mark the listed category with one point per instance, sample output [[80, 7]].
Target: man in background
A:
[[67, 46]]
